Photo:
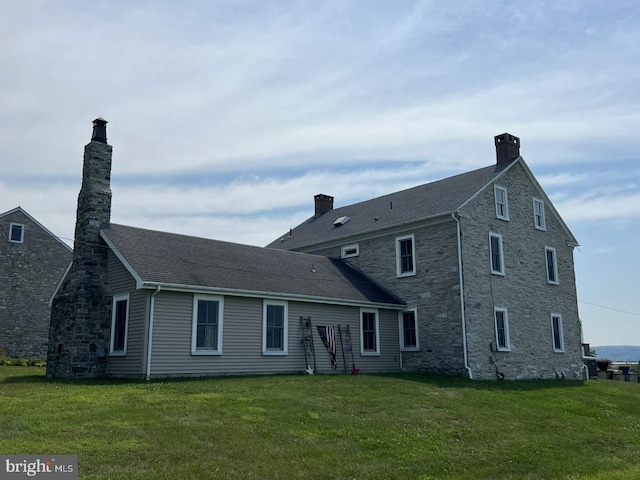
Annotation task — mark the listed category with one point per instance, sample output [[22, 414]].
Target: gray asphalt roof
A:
[[169, 258], [424, 201]]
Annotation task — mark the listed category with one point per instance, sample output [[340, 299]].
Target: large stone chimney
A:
[[81, 311], [507, 147], [323, 203]]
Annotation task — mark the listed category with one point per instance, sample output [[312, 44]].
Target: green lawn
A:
[[340, 426]]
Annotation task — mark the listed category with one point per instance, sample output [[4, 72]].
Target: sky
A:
[[226, 117]]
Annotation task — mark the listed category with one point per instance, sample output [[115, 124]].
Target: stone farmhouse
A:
[[472, 275], [32, 263]]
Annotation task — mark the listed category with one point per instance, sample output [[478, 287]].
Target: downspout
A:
[[150, 340], [462, 314]]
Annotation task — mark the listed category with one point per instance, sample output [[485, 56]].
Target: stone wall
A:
[[29, 273], [523, 290], [434, 291]]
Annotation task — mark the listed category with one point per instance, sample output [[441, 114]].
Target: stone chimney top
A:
[[507, 147], [99, 130], [323, 203]]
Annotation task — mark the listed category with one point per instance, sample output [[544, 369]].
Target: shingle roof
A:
[[417, 203], [168, 258]]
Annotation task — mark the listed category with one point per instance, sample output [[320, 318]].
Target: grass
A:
[[330, 426]]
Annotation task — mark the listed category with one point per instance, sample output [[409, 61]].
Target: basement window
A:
[[349, 251], [16, 233]]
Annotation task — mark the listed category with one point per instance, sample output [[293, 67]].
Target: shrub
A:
[[603, 364]]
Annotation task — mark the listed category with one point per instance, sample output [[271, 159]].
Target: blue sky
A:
[[227, 117]]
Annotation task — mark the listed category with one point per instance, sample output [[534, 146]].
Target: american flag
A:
[[328, 336]]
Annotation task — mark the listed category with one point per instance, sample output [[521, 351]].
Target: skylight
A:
[[341, 221]]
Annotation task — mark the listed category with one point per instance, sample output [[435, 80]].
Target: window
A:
[[206, 331], [556, 328], [119, 324], [497, 257], [405, 256], [369, 338], [502, 203], [539, 220], [275, 328], [502, 329], [350, 251], [408, 330], [552, 265], [16, 233]]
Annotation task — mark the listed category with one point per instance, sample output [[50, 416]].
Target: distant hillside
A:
[[619, 353]]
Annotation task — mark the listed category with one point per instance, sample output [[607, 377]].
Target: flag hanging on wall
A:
[[328, 336]]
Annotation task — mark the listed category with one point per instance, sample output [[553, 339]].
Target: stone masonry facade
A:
[[81, 311], [523, 290], [434, 291], [29, 274]]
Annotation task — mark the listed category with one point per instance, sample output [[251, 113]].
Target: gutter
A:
[[150, 340], [462, 311]]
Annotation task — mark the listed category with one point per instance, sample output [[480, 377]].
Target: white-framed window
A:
[[552, 265], [16, 233], [349, 251], [501, 317], [408, 326], [502, 202], [539, 220], [405, 256], [119, 325], [275, 327], [558, 335], [369, 332], [496, 253], [206, 329]]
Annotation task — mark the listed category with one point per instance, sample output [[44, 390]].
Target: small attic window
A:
[[341, 221], [16, 233]]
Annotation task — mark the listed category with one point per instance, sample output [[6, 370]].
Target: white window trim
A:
[[369, 353], [399, 273], [555, 265], [543, 214], [404, 348], [285, 335], [194, 324], [11, 225], [506, 202], [116, 299], [344, 254], [561, 328], [500, 244], [507, 335]]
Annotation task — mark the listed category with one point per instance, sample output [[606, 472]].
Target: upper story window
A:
[[503, 343], [275, 328], [408, 330], [556, 329], [502, 202], [119, 324], [16, 233], [206, 332], [552, 265], [405, 256], [539, 220], [349, 251], [369, 332], [496, 253]]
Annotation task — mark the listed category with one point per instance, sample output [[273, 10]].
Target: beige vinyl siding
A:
[[242, 339], [121, 281]]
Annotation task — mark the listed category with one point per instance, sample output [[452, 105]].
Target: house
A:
[[32, 262], [145, 304], [483, 261], [471, 275]]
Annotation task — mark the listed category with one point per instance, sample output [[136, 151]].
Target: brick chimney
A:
[[324, 203], [507, 147], [81, 311]]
